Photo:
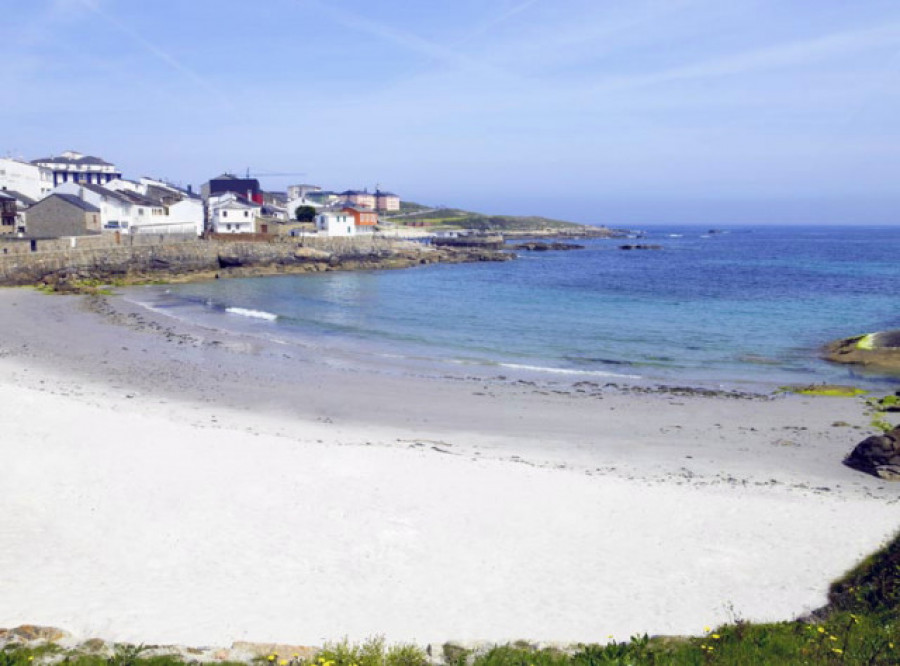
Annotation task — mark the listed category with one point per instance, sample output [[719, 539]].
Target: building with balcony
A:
[[72, 167]]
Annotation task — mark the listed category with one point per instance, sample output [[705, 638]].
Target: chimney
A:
[[81, 193]]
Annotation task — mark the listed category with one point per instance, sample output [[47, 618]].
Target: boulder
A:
[[878, 455], [880, 350], [29, 633]]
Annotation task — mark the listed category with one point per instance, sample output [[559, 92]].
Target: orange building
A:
[[365, 218]]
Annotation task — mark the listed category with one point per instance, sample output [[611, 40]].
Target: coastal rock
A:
[[878, 455], [640, 247], [28, 633], [242, 650], [541, 246], [880, 350]]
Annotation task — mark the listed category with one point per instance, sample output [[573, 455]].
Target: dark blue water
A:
[[749, 305]]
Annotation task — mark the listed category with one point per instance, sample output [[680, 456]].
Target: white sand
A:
[[152, 518]]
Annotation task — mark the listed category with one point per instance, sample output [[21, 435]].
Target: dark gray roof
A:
[[112, 194], [382, 193], [4, 195], [87, 159], [351, 192], [75, 201], [28, 201]]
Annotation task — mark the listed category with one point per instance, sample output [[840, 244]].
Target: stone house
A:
[[62, 215]]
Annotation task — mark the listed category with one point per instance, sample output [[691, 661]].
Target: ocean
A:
[[741, 308]]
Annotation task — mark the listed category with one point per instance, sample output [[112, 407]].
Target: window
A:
[[225, 214], [246, 213]]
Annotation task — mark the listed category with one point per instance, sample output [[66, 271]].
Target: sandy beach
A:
[[167, 483]]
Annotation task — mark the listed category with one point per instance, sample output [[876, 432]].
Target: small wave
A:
[[255, 314], [676, 235], [566, 371]]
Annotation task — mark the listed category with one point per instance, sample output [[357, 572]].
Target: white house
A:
[[230, 213], [33, 181], [115, 208], [132, 213], [186, 216], [335, 223]]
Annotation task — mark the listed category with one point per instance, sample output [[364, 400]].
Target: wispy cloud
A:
[[153, 49], [794, 54], [410, 41]]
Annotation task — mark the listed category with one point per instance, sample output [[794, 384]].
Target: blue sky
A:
[[625, 112]]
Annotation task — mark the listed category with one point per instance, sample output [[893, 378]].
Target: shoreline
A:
[[267, 495]]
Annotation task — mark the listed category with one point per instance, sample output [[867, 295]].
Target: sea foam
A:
[[255, 314]]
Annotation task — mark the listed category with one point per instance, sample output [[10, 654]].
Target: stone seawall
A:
[[203, 259]]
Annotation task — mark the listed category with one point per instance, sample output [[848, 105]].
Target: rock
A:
[[31, 632], [93, 645], [878, 455], [257, 650], [640, 247], [541, 246], [880, 350], [311, 254]]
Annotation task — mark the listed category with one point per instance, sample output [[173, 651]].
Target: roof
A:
[[352, 192], [381, 193], [75, 201], [360, 209], [4, 195], [28, 201], [87, 159]]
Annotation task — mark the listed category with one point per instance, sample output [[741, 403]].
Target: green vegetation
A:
[[866, 341], [860, 625], [304, 213], [832, 390], [455, 218]]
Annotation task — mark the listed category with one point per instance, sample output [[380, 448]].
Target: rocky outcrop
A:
[[640, 247], [73, 270], [541, 246], [878, 455], [880, 350]]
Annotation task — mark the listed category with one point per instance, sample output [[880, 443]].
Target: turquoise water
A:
[[749, 305]]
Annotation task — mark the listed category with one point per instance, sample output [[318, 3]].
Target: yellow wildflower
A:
[[837, 650], [271, 657], [283, 662], [706, 629], [821, 630], [832, 638], [716, 636]]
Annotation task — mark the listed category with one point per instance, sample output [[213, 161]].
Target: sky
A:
[[621, 112]]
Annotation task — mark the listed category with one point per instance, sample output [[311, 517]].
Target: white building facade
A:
[[72, 167], [335, 224], [31, 180], [231, 214]]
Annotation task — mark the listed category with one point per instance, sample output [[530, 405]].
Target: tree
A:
[[305, 213]]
